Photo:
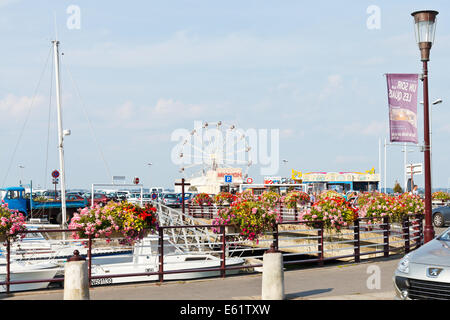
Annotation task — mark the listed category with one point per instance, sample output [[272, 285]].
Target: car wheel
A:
[[438, 220]]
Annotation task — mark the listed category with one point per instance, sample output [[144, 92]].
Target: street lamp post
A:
[[424, 30], [21, 167], [149, 186], [437, 101]]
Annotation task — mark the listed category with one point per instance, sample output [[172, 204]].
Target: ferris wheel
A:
[[213, 145]]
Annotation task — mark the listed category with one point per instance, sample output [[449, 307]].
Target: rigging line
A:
[[27, 117], [89, 122], [48, 126]]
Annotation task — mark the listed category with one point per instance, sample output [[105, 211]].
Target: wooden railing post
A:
[[357, 242], [320, 243], [420, 219], [275, 237], [8, 265], [224, 246], [406, 237], [161, 253], [90, 259], [386, 228]]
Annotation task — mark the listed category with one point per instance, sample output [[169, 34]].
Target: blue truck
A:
[[16, 199]]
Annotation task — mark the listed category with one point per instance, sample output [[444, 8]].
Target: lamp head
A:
[[425, 27]]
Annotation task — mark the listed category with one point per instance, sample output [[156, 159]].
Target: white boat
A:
[[146, 259], [26, 271]]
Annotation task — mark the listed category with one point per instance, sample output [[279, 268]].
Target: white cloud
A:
[[183, 49], [164, 113], [14, 106], [333, 85], [125, 111], [171, 107], [374, 128]]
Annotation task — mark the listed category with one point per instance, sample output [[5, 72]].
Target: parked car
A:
[[170, 200], [136, 198], [100, 199], [50, 194], [187, 197], [425, 272], [133, 197], [441, 216], [112, 196], [74, 197]]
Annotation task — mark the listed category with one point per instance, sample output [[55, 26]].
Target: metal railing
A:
[[300, 242], [211, 211]]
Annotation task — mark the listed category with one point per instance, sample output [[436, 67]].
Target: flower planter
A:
[[230, 229]]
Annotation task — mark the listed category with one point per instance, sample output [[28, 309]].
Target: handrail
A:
[[223, 241]]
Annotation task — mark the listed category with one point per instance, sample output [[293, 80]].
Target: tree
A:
[[398, 188]]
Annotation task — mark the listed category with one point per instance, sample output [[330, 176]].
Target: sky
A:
[[135, 72]]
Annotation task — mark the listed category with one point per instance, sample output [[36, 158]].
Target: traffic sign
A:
[[55, 174], [249, 180], [272, 180], [415, 168], [154, 196], [136, 180], [228, 178]]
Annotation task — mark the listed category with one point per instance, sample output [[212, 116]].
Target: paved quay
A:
[[344, 281]]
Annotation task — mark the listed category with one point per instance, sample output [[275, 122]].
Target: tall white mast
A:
[[60, 136]]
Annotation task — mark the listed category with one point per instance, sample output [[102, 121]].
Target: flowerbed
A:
[[270, 198], [247, 195], [329, 194], [128, 221], [11, 222], [294, 198], [335, 212], [378, 205], [202, 199], [252, 218], [440, 195], [224, 198]]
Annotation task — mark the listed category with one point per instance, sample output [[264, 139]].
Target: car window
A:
[[445, 236], [13, 194], [171, 196]]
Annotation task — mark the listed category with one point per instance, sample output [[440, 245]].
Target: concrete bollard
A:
[[76, 279], [273, 275]]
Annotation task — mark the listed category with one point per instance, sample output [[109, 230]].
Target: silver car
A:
[[425, 272]]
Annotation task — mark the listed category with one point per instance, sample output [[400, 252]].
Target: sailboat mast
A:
[[60, 135]]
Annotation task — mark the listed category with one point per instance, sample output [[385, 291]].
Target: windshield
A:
[[445, 236], [170, 196]]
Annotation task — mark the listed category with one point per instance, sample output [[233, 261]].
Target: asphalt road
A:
[[368, 280]]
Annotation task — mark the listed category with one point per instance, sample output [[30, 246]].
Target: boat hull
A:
[[192, 271], [29, 275]]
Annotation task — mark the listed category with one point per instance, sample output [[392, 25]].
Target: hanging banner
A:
[[402, 99]]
